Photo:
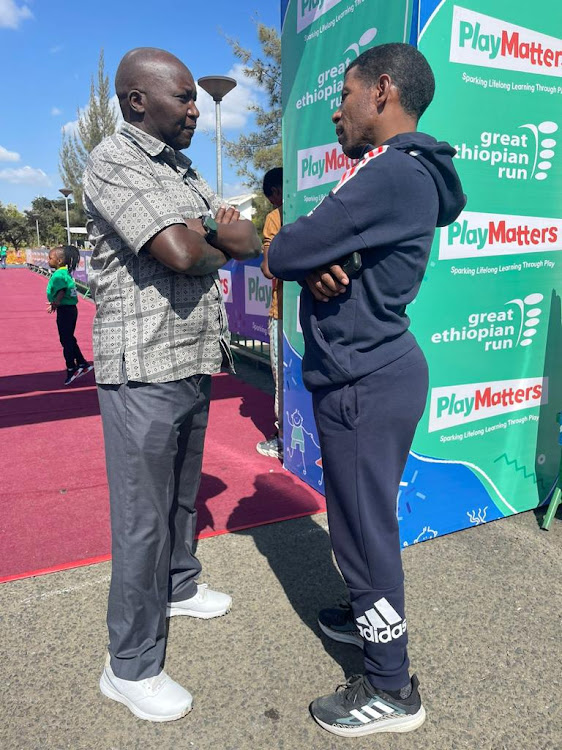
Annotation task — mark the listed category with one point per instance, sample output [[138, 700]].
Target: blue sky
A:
[[50, 50]]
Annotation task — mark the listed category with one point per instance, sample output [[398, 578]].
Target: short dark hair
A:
[[272, 179], [409, 70]]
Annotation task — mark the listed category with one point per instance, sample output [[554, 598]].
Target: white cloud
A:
[[57, 48], [11, 15], [70, 128], [234, 107], [24, 176], [56, 111], [6, 155]]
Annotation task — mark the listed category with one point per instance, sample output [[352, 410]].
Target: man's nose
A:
[[193, 111], [336, 116]]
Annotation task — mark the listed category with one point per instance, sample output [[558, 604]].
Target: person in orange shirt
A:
[[273, 191]]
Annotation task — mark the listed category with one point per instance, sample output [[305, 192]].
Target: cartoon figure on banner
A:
[[298, 432], [426, 533]]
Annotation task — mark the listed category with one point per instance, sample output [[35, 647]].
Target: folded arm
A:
[[124, 192], [187, 248]]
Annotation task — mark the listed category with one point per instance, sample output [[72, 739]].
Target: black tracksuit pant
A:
[[67, 315], [366, 428]]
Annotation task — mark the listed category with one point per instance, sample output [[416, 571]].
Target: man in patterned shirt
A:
[[160, 332]]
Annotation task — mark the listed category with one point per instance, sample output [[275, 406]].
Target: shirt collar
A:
[[154, 147]]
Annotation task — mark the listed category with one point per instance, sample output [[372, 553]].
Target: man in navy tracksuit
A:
[[367, 375]]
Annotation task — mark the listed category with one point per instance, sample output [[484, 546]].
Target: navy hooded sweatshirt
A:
[[386, 207]]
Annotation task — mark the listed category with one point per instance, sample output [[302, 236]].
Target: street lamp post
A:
[[37, 229], [66, 192], [218, 87]]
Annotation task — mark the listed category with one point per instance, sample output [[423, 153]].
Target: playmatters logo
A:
[[309, 10], [454, 405], [477, 39]]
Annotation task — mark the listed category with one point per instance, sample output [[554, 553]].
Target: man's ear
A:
[[136, 101], [382, 89]]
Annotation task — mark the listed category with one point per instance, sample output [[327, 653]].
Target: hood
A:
[[437, 158]]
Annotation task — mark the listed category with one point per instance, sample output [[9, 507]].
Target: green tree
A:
[[51, 217], [14, 227], [256, 152], [97, 121]]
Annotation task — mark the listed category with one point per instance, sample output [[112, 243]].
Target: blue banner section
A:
[[414, 24], [284, 9], [425, 8], [436, 496]]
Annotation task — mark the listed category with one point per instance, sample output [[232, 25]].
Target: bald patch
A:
[[142, 68]]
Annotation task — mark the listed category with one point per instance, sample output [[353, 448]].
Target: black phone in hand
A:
[[351, 263]]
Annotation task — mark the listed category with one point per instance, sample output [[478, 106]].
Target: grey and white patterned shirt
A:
[[162, 325]]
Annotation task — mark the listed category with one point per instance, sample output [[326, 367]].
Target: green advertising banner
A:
[[488, 312], [320, 39]]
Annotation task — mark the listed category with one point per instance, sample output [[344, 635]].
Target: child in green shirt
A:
[[62, 297]]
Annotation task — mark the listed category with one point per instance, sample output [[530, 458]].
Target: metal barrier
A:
[[257, 351]]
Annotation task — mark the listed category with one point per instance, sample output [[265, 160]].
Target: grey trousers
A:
[[154, 436]]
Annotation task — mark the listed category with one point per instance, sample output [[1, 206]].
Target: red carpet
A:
[[53, 497]]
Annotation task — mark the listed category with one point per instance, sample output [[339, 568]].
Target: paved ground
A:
[[483, 615]]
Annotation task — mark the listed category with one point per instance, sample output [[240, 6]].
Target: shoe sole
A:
[[269, 454], [400, 725], [110, 692], [176, 611], [83, 372], [353, 640]]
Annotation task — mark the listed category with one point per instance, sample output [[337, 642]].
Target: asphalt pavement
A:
[[483, 609]]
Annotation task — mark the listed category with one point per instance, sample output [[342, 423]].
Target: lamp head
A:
[[217, 86]]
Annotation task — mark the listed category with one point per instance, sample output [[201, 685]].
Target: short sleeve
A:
[[271, 227], [126, 193]]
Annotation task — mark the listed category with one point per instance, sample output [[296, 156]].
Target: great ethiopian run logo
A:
[[454, 405], [490, 42], [524, 153], [475, 235], [510, 326], [328, 85]]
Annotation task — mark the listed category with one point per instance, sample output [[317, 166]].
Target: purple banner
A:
[[81, 273], [247, 297]]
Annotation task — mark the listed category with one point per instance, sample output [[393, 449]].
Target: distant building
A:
[[81, 241], [243, 203]]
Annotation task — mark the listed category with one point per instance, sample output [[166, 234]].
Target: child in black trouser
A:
[[67, 316], [62, 297]]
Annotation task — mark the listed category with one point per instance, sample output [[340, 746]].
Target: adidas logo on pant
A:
[[381, 624]]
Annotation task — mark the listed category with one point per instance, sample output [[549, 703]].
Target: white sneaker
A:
[[154, 698], [205, 604]]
